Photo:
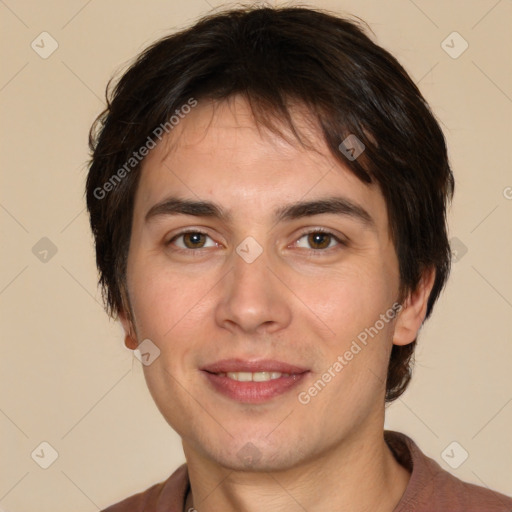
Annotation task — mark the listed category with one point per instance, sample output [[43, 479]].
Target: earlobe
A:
[[414, 310], [130, 340]]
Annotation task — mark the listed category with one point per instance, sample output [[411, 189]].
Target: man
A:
[[267, 193]]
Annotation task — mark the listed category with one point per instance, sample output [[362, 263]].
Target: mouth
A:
[[253, 376], [253, 381]]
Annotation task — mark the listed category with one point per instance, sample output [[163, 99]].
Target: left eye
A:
[[319, 240]]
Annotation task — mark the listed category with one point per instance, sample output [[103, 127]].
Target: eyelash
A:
[[303, 234]]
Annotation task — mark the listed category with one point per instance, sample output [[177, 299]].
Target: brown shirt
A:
[[430, 488]]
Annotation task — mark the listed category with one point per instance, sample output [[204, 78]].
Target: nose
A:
[[252, 298]]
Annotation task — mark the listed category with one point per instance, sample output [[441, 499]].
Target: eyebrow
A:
[[300, 209]]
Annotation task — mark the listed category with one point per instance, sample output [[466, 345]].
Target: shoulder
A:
[[451, 493], [433, 489], [168, 495]]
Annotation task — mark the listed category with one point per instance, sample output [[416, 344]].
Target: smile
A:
[[252, 381]]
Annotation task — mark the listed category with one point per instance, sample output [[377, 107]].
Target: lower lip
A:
[[253, 392]]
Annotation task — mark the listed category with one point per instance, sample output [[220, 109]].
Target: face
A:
[[272, 318]]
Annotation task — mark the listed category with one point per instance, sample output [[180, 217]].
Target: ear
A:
[[130, 339], [414, 309]]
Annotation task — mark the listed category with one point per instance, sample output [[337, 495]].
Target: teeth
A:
[[241, 376], [254, 376]]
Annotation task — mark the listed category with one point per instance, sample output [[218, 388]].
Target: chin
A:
[[254, 455]]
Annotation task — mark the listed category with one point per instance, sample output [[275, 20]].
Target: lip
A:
[[253, 392]]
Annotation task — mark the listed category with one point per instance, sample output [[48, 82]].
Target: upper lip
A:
[[262, 365]]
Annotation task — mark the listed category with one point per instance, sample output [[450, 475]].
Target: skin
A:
[[297, 302]]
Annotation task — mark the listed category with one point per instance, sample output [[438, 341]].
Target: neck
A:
[[358, 475]]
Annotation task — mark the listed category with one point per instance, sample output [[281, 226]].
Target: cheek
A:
[[351, 304], [173, 310], [160, 299], [350, 299]]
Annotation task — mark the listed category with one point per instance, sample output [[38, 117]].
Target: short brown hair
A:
[[272, 56]]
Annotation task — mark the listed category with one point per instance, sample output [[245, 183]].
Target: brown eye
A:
[[192, 240], [319, 240]]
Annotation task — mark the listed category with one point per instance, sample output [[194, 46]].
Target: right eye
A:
[[190, 240]]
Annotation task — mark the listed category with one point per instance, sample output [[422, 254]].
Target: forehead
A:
[[218, 152]]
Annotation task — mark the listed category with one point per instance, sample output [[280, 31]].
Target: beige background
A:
[[66, 377]]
